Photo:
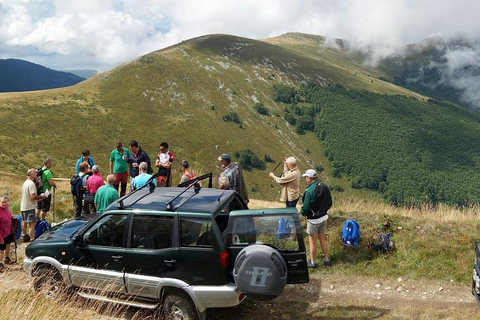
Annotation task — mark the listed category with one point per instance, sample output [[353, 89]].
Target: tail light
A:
[[224, 259]]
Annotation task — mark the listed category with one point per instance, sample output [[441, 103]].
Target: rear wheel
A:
[[48, 282], [179, 307]]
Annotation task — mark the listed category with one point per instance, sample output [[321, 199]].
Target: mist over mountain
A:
[[20, 75], [441, 68]]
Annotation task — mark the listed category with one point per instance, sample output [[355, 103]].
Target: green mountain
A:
[[221, 93]]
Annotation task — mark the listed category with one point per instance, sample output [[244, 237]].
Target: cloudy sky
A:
[[101, 34]]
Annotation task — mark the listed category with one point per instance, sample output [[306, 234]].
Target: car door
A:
[[201, 247], [277, 228], [151, 256], [97, 255]]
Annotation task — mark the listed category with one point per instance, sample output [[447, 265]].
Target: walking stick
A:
[[53, 205], [277, 166]]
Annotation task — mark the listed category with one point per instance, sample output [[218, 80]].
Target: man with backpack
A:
[[78, 188], [317, 199], [46, 178]]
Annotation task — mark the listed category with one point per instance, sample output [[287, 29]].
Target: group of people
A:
[[95, 193], [316, 200]]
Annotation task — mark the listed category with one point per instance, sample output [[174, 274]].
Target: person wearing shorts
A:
[[119, 167], [29, 203], [317, 200]]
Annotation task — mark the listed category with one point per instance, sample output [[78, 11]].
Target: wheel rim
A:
[[177, 313]]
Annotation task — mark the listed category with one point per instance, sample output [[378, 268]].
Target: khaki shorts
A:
[[313, 229]]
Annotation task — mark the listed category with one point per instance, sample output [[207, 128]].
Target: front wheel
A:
[[48, 282], [179, 307]]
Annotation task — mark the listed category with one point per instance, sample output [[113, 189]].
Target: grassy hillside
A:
[[185, 94]]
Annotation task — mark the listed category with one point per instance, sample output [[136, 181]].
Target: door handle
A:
[[117, 258], [170, 263]]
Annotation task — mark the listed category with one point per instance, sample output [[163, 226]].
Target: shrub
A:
[[283, 93], [249, 160], [260, 108]]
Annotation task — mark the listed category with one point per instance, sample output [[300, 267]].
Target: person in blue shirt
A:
[[85, 157], [140, 180]]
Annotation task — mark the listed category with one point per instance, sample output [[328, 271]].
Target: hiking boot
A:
[[311, 264], [8, 260], [327, 263], [2, 267]]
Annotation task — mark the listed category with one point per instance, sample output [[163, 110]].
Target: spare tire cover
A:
[[260, 272]]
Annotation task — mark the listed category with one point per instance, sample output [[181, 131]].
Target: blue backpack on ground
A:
[[41, 227], [351, 233]]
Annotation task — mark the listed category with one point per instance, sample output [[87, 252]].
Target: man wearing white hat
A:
[[316, 202]]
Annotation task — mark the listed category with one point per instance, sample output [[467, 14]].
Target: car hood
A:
[[62, 231]]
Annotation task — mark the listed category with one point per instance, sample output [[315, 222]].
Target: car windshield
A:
[[278, 231]]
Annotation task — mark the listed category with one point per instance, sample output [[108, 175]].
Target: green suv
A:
[[178, 250]]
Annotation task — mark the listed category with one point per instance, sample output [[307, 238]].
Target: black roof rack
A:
[[189, 184]]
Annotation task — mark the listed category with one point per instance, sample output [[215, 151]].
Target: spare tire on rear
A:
[[260, 272]]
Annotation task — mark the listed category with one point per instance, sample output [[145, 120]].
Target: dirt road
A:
[[326, 296]]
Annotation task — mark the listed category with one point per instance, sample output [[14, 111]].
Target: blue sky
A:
[[101, 34]]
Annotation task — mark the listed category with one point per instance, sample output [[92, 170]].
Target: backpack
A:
[[284, 230], [76, 185], [17, 226], [350, 233], [41, 227], [382, 243], [38, 180]]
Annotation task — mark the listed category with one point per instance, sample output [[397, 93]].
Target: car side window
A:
[[108, 231], [276, 231], [197, 232], [152, 232]]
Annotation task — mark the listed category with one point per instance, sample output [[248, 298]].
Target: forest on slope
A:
[[411, 151]]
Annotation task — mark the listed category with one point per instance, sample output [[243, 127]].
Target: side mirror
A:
[[78, 241]]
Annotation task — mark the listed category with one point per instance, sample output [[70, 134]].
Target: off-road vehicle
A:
[[179, 250]]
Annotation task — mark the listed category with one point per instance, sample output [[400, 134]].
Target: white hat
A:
[[310, 173]]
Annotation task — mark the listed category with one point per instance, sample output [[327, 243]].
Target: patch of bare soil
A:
[[339, 297]]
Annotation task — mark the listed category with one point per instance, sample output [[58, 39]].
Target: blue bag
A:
[[41, 227], [351, 233]]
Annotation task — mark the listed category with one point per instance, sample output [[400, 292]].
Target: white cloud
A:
[[103, 34]]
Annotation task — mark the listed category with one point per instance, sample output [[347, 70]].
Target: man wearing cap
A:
[[316, 202], [290, 180], [233, 172]]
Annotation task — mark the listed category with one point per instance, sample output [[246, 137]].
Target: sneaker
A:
[[327, 263], [311, 264]]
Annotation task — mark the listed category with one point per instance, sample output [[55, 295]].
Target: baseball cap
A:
[[310, 173], [224, 156]]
